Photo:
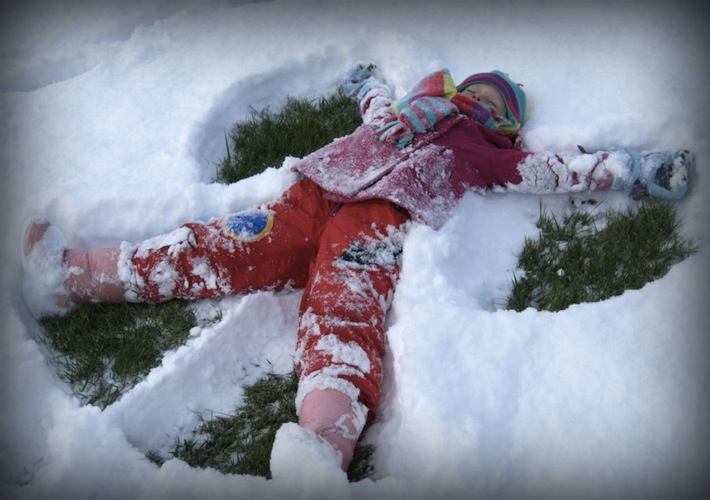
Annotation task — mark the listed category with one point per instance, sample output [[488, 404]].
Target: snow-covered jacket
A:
[[427, 177]]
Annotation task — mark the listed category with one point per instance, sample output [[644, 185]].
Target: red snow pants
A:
[[346, 257]]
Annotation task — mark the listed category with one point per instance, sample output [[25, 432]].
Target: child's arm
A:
[[660, 174]]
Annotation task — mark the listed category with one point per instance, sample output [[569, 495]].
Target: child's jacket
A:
[[427, 178]]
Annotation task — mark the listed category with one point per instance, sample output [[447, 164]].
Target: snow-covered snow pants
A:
[[346, 257]]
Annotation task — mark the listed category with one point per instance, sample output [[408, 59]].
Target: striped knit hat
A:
[[513, 95]]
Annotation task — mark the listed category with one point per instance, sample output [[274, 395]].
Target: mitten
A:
[[360, 80], [395, 132], [662, 174], [423, 113], [418, 116]]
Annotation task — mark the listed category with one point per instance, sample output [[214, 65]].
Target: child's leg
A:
[[270, 248], [262, 249], [341, 337]]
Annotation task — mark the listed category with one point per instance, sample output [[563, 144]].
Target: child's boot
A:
[[308, 464], [44, 273], [92, 275], [336, 418], [55, 277], [320, 448]]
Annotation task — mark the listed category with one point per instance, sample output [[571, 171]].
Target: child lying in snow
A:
[[338, 233]]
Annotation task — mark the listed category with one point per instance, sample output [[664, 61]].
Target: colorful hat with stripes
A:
[[513, 95]]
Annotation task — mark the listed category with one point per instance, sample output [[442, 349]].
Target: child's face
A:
[[487, 95]]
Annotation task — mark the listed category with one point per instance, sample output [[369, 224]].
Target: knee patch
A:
[[248, 226]]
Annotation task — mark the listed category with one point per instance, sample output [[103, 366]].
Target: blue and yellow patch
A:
[[248, 226]]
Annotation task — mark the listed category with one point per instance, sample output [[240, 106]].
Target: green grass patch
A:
[[587, 258], [241, 443], [302, 126], [102, 350]]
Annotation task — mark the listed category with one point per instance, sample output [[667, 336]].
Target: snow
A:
[[113, 117], [317, 471]]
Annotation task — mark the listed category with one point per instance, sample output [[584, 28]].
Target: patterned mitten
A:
[[418, 116], [396, 133]]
